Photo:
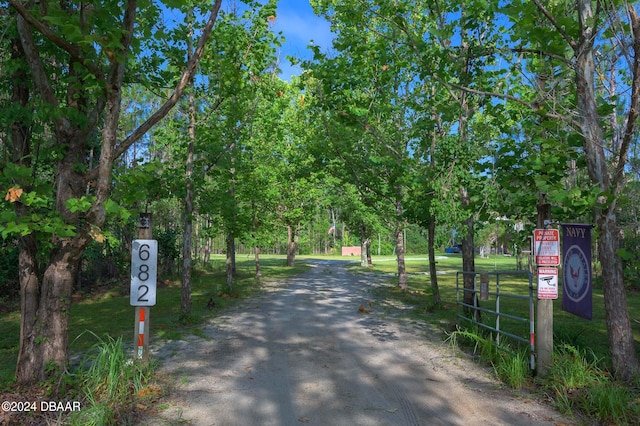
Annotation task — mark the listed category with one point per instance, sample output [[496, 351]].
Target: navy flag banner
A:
[[576, 269]]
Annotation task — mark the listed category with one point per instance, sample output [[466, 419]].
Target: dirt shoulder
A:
[[316, 349]]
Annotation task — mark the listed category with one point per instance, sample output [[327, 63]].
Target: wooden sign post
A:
[[545, 255], [144, 256]]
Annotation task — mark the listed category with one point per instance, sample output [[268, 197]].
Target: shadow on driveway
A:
[[304, 352]]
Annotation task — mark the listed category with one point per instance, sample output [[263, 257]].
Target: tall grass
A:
[[511, 367], [572, 368], [112, 383], [576, 382], [580, 385], [611, 403]]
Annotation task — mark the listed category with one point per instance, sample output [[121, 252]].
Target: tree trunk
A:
[[431, 234], [28, 365], [365, 242], [28, 248], [431, 226], [44, 327], [232, 255], [623, 354], [256, 252], [208, 245], [187, 233], [185, 295], [402, 271], [231, 248], [363, 253], [468, 258], [333, 222], [45, 336], [621, 345], [292, 245], [195, 241]]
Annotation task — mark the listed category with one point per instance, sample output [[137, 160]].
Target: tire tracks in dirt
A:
[[312, 349]]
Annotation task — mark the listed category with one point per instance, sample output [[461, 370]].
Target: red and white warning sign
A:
[[546, 247], [547, 283]]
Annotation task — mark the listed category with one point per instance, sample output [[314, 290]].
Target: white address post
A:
[[144, 261]]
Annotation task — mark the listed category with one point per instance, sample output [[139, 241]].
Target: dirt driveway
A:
[[302, 352]]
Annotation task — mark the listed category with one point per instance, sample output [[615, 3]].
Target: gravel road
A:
[[303, 352]]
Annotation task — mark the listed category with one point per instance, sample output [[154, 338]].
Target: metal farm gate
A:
[[490, 293]]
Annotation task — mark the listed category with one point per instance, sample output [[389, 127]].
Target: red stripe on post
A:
[[141, 328]]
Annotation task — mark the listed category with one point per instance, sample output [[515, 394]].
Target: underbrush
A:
[[114, 386], [107, 388], [578, 384]]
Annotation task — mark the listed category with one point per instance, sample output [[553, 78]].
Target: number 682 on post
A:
[[144, 266]]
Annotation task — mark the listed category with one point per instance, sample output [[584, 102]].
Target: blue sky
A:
[[297, 22], [299, 26]]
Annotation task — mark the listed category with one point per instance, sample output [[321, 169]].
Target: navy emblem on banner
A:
[[576, 270]]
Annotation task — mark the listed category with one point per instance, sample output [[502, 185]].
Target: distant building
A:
[[351, 251]]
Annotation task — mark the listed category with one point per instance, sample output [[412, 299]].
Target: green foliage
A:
[[513, 368], [106, 259], [112, 384], [140, 184], [630, 257], [610, 403], [482, 346], [9, 285], [629, 219], [41, 219], [580, 385], [81, 204], [168, 249], [572, 368]]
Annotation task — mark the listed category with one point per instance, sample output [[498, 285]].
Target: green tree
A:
[[367, 99], [242, 63], [70, 66], [299, 181], [604, 97], [594, 102], [361, 214]]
